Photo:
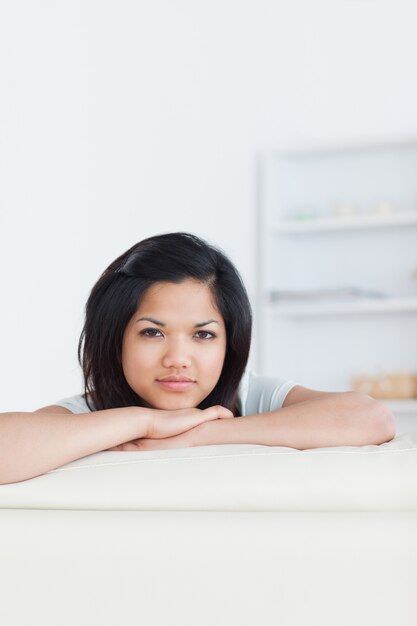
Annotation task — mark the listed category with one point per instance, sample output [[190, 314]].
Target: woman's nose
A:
[[176, 355]]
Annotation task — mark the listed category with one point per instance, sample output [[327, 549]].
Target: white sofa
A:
[[215, 535]]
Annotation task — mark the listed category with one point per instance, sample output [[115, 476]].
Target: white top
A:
[[256, 394]]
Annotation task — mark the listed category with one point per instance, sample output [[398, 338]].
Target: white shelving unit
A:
[[342, 218]]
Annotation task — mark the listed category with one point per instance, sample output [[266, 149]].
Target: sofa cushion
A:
[[233, 477]]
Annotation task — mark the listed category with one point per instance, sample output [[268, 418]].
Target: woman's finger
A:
[[218, 412], [165, 423]]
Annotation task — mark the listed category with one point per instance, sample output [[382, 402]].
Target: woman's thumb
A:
[[219, 411]]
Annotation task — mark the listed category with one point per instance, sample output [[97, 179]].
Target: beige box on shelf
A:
[[398, 386]]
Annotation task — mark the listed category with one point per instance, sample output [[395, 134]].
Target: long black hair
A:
[[114, 299]]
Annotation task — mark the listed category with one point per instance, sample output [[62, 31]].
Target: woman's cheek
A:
[[213, 363], [142, 354]]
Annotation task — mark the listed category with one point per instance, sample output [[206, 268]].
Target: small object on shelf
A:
[[303, 214], [398, 386], [344, 209], [384, 208]]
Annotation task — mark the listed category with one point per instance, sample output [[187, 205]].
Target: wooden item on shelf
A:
[[387, 387]]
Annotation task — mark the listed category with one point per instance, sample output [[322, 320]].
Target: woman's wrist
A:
[[214, 432], [143, 420]]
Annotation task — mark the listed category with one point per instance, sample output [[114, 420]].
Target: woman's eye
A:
[[155, 330], [147, 330], [206, 332]]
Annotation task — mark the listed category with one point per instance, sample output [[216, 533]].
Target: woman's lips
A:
[[181, 385]]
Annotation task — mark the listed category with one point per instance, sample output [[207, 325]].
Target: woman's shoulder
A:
[[76, 403], [260, 393]]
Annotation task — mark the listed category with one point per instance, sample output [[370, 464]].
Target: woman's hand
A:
[[173, 429], [165, 423], [183, 440]]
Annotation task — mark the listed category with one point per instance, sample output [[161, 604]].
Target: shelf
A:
[[388, 305], [353, 222]]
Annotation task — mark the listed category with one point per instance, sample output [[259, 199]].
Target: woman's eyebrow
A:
[[150, 319]]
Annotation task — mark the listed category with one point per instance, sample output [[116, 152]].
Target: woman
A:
[[164, 350]]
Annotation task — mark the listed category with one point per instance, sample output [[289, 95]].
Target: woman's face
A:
[[187, 337]]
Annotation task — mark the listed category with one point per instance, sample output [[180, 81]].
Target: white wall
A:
[[120, 120]]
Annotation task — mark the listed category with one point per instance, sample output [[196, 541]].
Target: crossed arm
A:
[[308, 419]]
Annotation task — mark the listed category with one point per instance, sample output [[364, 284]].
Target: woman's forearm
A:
[[342, 419], [34, 443]]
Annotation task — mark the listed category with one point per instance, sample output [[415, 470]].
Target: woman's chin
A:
[[173, 405], [169, 402]]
